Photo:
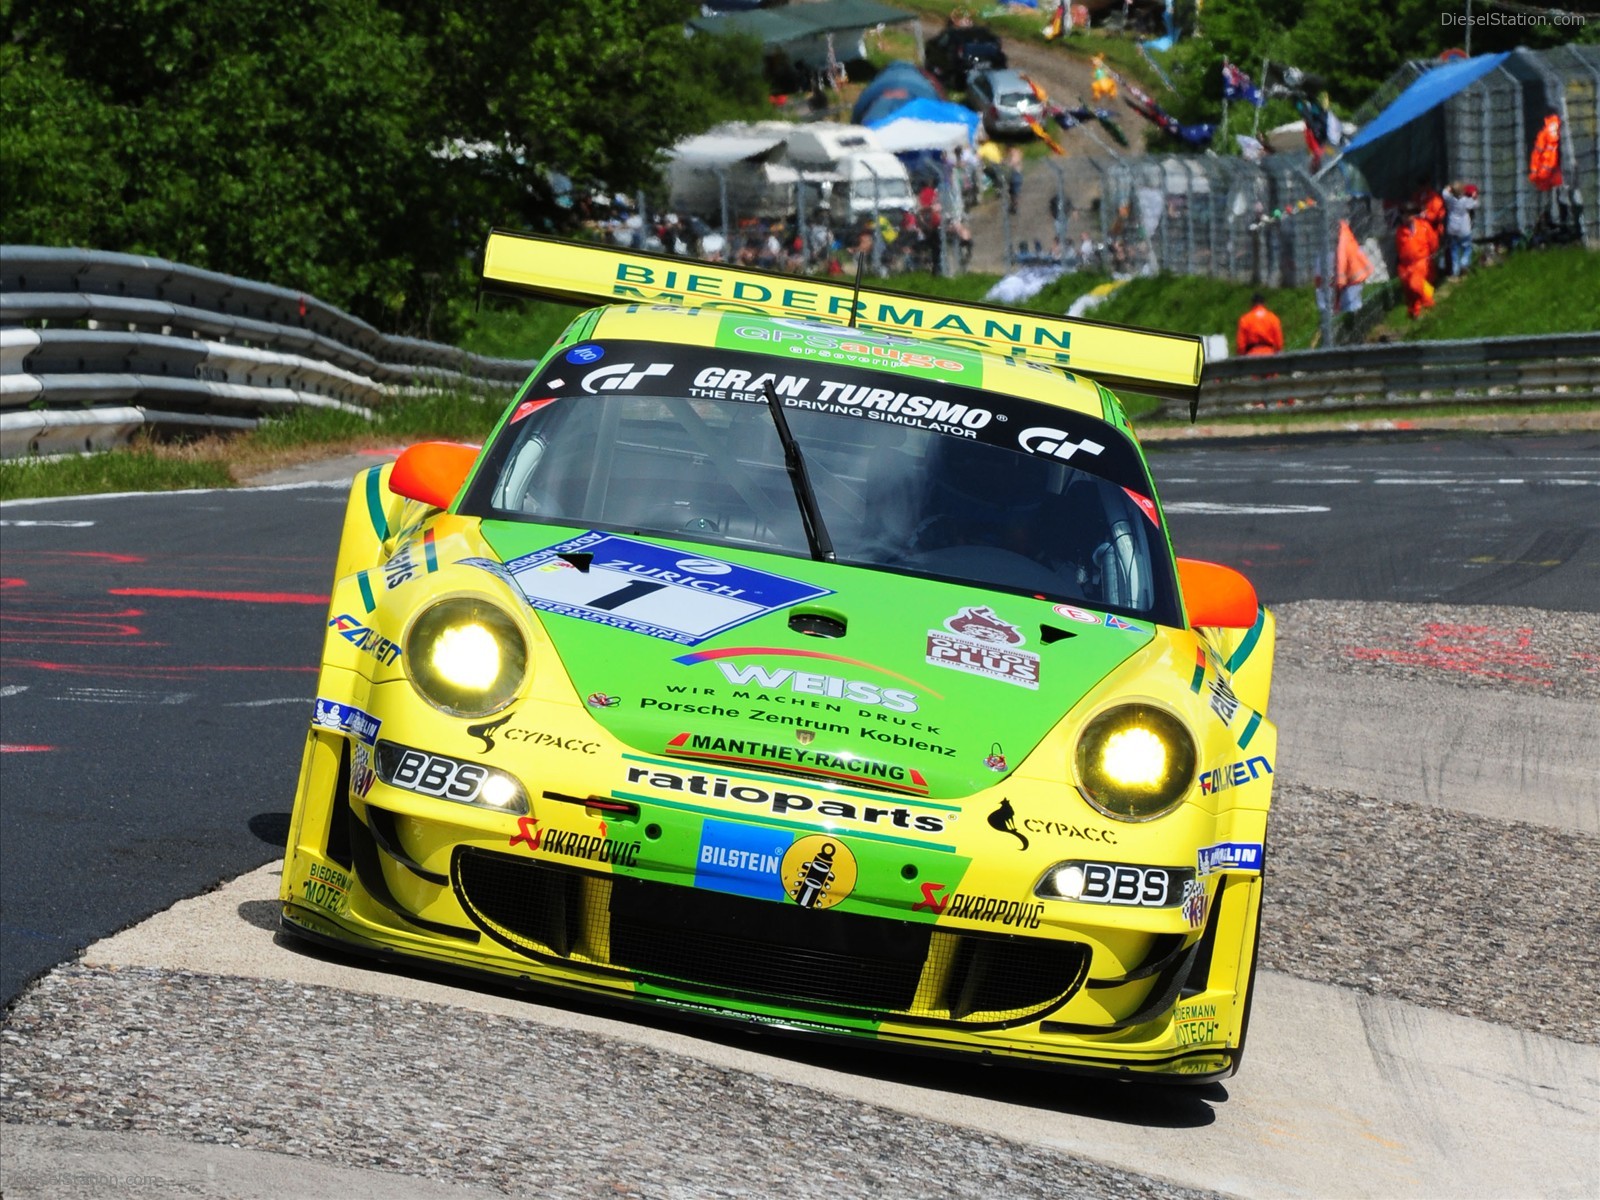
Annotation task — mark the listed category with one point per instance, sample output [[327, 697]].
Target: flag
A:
[[1043, 134], [1236, 85]]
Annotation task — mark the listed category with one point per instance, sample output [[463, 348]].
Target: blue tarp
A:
[[1425, 95], [941, 112]]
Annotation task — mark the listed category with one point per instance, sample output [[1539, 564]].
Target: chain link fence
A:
[[1274, 223]]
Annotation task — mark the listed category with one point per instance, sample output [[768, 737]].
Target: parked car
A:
[[961, 49], [834, 680], [1005, 99]]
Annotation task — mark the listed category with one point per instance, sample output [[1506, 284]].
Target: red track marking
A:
[[102, 554], [130, 672], [1471, 649], [12, 583], [8, 748], [242, 597]]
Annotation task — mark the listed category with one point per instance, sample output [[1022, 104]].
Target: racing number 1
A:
[[629, 591]]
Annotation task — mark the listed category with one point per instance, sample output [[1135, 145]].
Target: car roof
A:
[[1151, 361], [1005, 77]]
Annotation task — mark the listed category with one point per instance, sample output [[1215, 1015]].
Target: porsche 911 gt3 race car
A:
[[805, 656]]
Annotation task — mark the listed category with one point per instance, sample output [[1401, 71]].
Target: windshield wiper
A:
[[811, 516]]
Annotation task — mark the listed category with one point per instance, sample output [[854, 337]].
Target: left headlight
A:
[[1135, 762], [465, 657]]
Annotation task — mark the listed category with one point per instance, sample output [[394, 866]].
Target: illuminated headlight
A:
[[446, 778], [1135, 762], [466, 657]]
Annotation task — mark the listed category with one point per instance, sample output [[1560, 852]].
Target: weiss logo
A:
[[859, 691], [621, 378], [703, 566], [1041, 439]]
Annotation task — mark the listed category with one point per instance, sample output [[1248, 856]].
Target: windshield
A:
[[912, 498]]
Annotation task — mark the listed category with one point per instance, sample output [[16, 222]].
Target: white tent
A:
[[910, 133]]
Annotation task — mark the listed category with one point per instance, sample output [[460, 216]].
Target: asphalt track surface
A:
[[157, 654]]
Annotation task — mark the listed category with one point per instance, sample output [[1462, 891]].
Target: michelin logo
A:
[[346, 718], [1231, 856]]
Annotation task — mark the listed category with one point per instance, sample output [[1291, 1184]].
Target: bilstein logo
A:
[[818, 871], [1041, 439], [622, 377]]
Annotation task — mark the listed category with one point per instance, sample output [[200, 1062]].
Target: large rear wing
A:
[[1161, 364]]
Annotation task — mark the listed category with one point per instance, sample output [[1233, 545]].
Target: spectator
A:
[[990, 156], [1259, 331], [1415, 243], [1014, 176], [771, 254], [1460, 199]]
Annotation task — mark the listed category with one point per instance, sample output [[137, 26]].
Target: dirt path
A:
[[1065, 75]]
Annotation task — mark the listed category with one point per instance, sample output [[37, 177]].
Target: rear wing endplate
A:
[[1161, 364]]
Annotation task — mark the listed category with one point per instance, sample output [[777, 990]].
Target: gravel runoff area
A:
[[449, 1094], [1481, 917]]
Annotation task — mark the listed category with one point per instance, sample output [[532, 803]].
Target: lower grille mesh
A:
[[692, 939]]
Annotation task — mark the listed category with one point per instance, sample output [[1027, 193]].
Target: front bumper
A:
[[397, 876]]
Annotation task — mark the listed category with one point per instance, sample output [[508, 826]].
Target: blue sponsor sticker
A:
[[743, 859], [1230, 856], [586, 353], [347, 718], [650, 589]]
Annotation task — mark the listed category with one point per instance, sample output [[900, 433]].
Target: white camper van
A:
[[867, 177], [762, 166]]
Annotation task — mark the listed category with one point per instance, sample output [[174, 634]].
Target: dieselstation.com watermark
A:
[[1525, 18]]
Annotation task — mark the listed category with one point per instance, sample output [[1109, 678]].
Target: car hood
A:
[[832, 672]]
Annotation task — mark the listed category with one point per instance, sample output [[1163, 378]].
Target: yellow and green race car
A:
[[807, 656]]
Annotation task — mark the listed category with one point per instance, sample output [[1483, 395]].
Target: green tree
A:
[[356, 149]]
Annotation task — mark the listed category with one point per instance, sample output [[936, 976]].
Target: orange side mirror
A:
[[1216, 595], [432, 472]]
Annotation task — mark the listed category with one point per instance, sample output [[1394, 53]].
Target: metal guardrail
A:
[[95, 346], [1522, 370]]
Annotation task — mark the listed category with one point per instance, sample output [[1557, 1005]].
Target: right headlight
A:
[[1135, 761], [465, 656]]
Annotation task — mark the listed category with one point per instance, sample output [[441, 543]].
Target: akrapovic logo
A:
[[1041, 439], [623, 377]]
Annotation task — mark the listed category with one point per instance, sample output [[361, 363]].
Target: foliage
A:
[[358, 150], [1347, 48], [118, 471], [1552, 289]]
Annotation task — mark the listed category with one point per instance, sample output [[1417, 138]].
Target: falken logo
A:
[[1041, 439], [364, 637], [622, 377]]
